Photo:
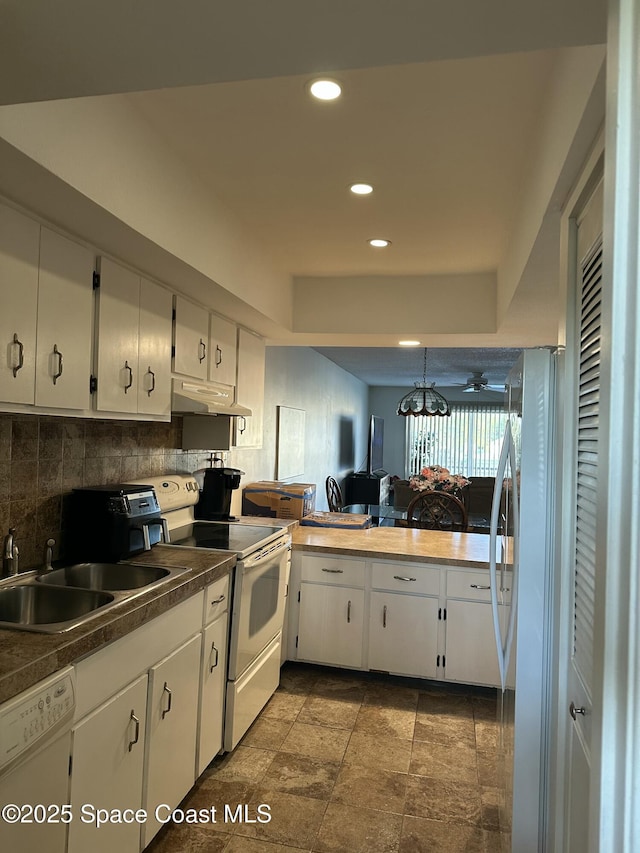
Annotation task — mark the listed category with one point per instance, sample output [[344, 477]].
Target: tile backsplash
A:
[[43, 458]]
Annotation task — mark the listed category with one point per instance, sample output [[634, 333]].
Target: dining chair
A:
[[334, 495], [432, 510]]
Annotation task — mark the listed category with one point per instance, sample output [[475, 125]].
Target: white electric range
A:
[[259, 587]]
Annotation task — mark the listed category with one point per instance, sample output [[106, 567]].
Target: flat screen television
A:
[[376, 444]]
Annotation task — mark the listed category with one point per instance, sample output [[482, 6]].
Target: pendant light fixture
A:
[[423, 399]]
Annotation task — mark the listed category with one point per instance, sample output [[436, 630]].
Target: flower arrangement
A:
[[439, 479]]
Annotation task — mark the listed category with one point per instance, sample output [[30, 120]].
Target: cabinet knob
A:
[[575, 711]]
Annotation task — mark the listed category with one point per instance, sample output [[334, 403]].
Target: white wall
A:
[[336, 421]]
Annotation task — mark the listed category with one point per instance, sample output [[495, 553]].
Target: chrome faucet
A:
[[10, 555], [48, 556]]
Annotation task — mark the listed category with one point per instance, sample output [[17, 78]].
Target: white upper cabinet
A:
[[191, 339], [46, 282], [19, 246], [250, 389], [154, 349], [65, 310], [133, 352], [223, 336], [118, 319]]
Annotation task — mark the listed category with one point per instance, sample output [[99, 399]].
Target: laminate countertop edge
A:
[[467, 550]]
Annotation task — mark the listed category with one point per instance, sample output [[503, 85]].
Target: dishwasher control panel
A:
[[30, 719]]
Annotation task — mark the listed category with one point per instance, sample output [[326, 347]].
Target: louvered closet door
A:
[[584, 564]]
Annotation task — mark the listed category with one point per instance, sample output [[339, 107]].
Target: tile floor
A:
[[354, 763]]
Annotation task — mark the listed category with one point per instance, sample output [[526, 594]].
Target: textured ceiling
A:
[[447, 367]]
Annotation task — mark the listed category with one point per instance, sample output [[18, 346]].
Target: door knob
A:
[[575, 711]]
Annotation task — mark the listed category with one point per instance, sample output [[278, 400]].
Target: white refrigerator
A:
[[522, 525]]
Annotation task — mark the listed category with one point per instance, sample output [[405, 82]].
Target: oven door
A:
[[258, 604]]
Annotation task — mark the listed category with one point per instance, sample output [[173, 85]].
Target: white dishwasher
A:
[[35, 741]]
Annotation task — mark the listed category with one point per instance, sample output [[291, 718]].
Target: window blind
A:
[[466, 443]]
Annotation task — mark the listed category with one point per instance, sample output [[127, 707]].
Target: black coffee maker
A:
[[214, 503]]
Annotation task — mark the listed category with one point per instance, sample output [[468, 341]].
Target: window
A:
[[466, 443]]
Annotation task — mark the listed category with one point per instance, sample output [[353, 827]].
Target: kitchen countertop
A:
[[398, 543], [26, 657]]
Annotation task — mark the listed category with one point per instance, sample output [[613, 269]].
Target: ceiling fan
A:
[[479, 382]]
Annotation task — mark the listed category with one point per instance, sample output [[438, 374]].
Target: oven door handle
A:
[[266, 554]]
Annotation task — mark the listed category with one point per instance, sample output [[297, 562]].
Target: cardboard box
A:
[[279, 500], [345, 520]]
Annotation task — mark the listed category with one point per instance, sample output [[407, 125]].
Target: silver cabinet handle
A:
[[384, 616], [479, 586], [242, 428], [153, 380], [203, 350], [170, 695], [349, 611], [18, 343], [58, 372], [130, 382], [334, 571], [218, 599], [165, 531], [218, 356], [136, 736], [213, 665], [402, 578], [575, 711]]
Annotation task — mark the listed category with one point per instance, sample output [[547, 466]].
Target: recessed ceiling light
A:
[[409, 343], [378, 243], [361, 189], [325, 90]]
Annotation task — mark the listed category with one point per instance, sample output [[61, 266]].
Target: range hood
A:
[[205, 398]]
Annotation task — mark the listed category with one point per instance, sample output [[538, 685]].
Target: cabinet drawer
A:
[[405, 578], [337, 571], [216, 599], [471, 585]]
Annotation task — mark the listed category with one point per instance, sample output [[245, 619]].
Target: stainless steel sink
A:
[[106, 576], [34, 607], [67, 597]]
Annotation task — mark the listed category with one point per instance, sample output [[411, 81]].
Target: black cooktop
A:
[[241, 539]]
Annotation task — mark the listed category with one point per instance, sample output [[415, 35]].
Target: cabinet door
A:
[[65, 314], [117, 333], [172, 716], [470, 651], [107, 770], [191, 337], [403, 634], [154, 349], [331, 625], [250, 389], [19, 246], [222, 350], [213, 683]]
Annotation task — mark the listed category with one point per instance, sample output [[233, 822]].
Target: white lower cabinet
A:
[[404, 618], [403, 634], [213, 672], [107, 771], [171, 732], [149, 718], [331, 624], [470, 655]]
